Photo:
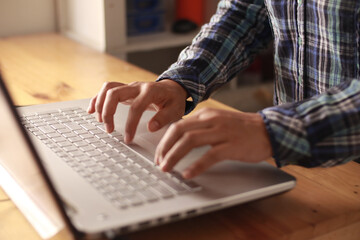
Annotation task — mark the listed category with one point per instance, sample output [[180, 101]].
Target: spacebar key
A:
[[73, 126], [177, 187]]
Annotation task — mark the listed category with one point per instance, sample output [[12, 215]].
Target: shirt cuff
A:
[[188, 78], [288, 137]]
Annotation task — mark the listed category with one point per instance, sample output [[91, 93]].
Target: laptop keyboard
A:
[[120, 174]]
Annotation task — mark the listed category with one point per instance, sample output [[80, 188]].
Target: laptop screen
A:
[[21, 176]]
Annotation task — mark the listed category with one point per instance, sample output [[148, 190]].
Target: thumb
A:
[[164, 117]]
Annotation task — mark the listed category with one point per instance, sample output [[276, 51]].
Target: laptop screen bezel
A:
[[77, 234]]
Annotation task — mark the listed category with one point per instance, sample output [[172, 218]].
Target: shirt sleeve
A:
[[226, 45], [322, 131]]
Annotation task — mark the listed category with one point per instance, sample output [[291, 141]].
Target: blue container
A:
[[142, 6], [145, 23]]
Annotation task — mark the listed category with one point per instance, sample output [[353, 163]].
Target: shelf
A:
[[156, 41]]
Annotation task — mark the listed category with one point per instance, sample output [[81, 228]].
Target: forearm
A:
[[321, 131], [223, 47]]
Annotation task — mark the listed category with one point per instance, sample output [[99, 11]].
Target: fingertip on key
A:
[[187, 174]]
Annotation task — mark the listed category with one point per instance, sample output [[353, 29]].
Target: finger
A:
[[136, 110], [101, 98], [187, 142], [112, 98], [175, 131], [214, 155], [91, 107], [163, 117]]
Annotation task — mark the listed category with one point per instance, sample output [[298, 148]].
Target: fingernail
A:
[[127, 138], [156, 160], [154, 125], [187, 174], [107, 127], [163, 165], [98, 117]]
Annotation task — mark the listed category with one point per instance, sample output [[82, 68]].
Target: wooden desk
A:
[[325, 204]]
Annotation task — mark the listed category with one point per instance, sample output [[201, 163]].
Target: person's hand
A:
[[231, 135], [167, 97]]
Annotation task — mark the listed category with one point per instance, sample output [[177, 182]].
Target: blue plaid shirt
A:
[[316, 117]]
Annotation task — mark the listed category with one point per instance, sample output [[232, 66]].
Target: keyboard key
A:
[[81, 144], [86, 148], [135, 199], [100, 158], [136, 185], [64, 144], [148, 180], [88, 126], [101, 127], [39, 124], [76, 153], [46, 129], [192, 185], [42, 137], [63, 130], [86, 135], [70, 148], [69, 135], [158, 174], [162, 191], [104, 148], [93, 153], [96, 131], [81, 131], [82, 158], [53, 135], [111, 153], [72, 125], [149, 195], [118, 158], [107, 164], [92, 140], [59, 139], [75, 139], [177, 187]]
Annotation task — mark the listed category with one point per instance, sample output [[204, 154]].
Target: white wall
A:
[[18, 17], [83, 20]]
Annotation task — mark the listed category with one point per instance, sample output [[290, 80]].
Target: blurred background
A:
[[147, 33]]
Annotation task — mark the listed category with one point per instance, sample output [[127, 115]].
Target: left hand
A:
[[231, 135]]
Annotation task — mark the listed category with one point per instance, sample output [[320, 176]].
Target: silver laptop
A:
[[63, 171]]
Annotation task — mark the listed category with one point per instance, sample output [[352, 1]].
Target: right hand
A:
[[167, 97]]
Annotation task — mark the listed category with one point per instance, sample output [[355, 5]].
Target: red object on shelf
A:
[[192, 10]]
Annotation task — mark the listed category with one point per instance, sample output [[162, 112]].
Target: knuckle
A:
[[189, 138], [206, 113], [215, 156], [107, 85], [135, 106], [212, 155], [133, 83], [98, 106], [111, 94], [175, 127], [147, 87], [200, 166], [106, 115], [203, 110]]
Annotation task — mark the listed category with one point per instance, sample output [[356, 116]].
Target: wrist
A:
[[179, 89], [264, 140]]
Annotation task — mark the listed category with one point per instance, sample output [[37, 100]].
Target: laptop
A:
[[66, 174]]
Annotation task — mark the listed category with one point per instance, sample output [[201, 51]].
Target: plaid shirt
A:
[[316, 120]]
